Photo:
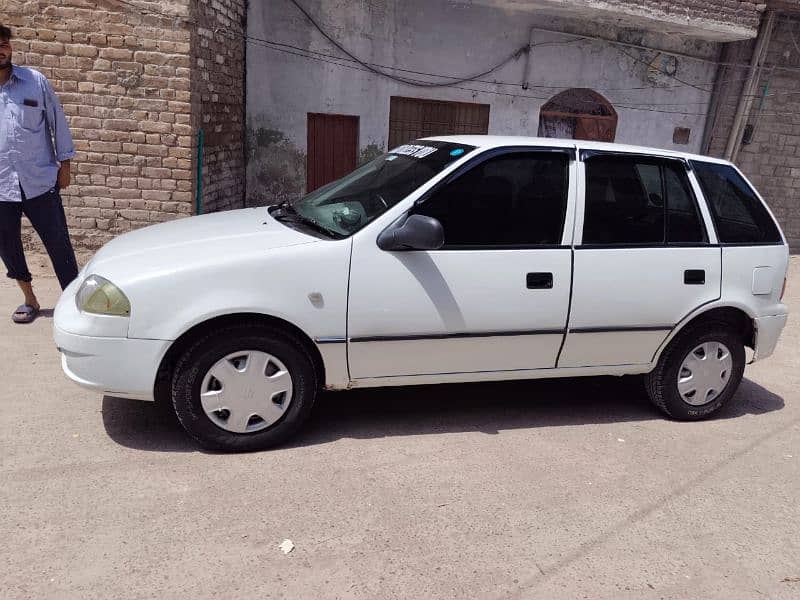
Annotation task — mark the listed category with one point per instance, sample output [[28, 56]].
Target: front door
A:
[[643, 263], [332, 149], [494, 298]]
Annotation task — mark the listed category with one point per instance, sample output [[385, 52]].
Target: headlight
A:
[[100, 296]]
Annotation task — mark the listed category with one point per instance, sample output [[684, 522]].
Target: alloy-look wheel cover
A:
[[246, 391], [704, 373]]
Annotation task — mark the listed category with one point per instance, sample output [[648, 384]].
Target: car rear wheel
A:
[[698, 372], [243, 388]]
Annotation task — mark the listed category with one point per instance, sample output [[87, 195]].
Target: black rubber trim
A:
[[622, 329], [540, 369], [646, 246], [506, 247], [588, 153], [447, 336], [676, 245], [569, 305], [746, 244], [330, 340]]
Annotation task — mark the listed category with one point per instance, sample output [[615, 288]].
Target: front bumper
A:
[[768, 330], [116, 366]]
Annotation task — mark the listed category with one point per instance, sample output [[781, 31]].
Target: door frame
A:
[[586, 152], [568, 230]]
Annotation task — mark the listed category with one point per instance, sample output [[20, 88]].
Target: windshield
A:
[[344, 206]]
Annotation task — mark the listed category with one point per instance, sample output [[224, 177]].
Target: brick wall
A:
[[772, 158], [218, 57], [723, 20], [134, 98], [743, 13]]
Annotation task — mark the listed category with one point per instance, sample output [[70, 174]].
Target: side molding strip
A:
[[447, 336]]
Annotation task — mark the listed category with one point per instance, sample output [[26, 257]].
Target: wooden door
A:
[[332, 148], [413, 118], [594, 128]]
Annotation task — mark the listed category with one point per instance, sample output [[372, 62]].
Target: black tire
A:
[[210, 347], [662, 382]]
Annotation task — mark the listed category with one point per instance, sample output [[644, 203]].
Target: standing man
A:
[[35, 149]]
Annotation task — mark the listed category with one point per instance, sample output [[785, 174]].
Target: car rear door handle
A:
[[539, 281], [694, 277]]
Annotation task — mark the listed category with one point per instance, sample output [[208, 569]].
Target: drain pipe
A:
[[712, 114], [199, 180], [748, 91]]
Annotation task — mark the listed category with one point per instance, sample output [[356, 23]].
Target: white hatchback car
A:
[[450, 259]]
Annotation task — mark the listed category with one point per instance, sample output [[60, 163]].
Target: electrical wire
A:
[[660, 70], [262, 41], [623, 103], [253, 39], [374, 66], [371, 67], [794, 39], [517, 53], [524, 96]]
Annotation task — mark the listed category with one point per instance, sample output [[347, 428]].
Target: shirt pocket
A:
[[30, 117]]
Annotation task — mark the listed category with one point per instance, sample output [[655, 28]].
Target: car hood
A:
[[204, 235]]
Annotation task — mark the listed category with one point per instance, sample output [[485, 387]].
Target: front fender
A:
[[305, 285]]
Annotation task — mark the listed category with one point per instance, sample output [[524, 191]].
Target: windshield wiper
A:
[[289, 212]]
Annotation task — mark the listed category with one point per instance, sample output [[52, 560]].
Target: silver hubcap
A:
[[246, 391], [704, 373]]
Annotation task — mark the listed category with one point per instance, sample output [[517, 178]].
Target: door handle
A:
[[539, 281], [694, 277]]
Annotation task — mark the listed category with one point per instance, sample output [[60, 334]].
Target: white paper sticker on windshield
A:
[[414, 150]]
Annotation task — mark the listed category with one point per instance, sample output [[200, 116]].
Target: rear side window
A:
[[639, 200], [738, 214]]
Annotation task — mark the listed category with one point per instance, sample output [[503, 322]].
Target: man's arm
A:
[[64, 176], [62, 138]]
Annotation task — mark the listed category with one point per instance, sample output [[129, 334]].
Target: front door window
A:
[[512, 200]]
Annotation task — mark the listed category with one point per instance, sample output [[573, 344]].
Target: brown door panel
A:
[[332, 148]]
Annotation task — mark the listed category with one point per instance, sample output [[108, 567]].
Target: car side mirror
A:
[[417, 232]]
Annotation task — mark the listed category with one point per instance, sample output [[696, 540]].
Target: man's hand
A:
[[64, 178]]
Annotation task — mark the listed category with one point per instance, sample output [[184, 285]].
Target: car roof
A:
[[497, 141]]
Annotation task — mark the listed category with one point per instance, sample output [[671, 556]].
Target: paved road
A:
[[568, 489]]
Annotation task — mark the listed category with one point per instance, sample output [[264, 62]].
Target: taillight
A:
[[783, 289]]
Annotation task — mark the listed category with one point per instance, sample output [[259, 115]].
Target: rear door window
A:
[[639, 200], [738, 214]]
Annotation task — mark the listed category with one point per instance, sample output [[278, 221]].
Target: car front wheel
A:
[[698, 372], [242, 388]]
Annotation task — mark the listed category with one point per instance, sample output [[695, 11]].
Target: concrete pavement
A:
[[548, 489]]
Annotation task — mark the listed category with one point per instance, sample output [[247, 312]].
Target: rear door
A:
[[642, 259]]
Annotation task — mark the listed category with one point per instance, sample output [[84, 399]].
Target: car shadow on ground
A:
[[484, 407]]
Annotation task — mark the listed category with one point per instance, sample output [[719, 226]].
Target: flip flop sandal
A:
[[25, 313]]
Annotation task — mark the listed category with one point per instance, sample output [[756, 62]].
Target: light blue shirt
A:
[[34, 135]]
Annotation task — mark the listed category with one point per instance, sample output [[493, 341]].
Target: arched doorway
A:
[[579, 114]]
